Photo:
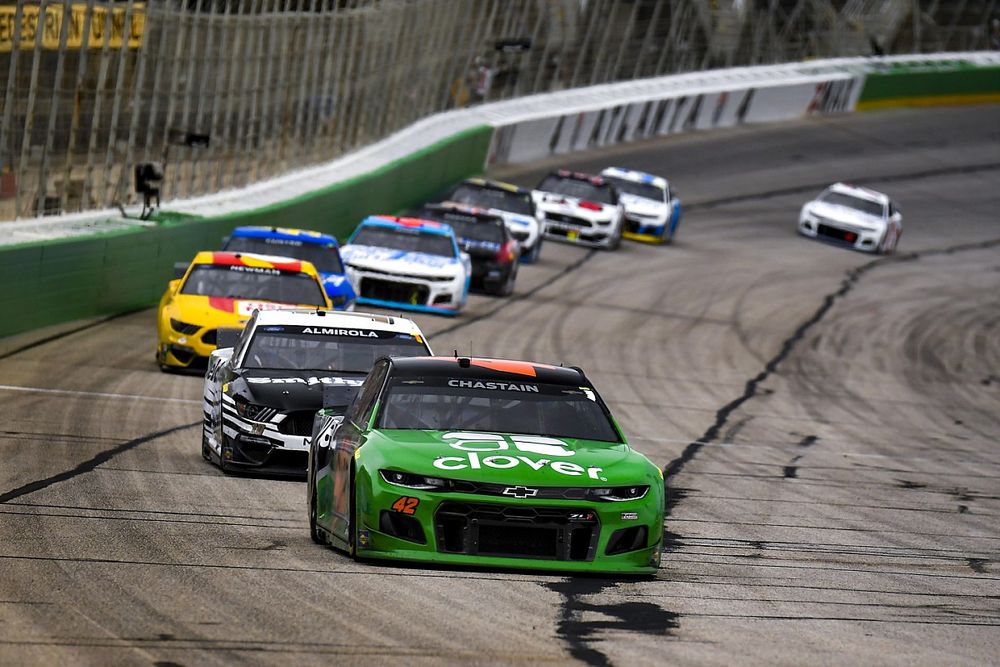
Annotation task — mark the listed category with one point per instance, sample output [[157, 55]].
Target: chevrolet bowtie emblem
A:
[[520, 492]]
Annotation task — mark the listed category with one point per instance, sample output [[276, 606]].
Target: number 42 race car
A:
[[483, 462]]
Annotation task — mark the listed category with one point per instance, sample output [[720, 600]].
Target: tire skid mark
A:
[[91, 463], [629, 616], [67, 334]]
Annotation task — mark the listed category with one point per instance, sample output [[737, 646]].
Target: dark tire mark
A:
[[66, 334], [90, 464]]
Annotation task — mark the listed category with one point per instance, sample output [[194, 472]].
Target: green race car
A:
[[483, 462]]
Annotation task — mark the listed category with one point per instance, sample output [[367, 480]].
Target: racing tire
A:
[[615, 242], [206, 452], [352, 527], [532, 256], [502, 289], [314, 532]]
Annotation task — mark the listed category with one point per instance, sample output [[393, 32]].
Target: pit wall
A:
[[64, 278]]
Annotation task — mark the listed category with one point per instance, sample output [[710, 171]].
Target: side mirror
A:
[[227, 337], [173, 285], [225, 241], [180, 268]]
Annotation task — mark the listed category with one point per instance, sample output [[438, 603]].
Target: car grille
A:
[[520, 235], [210, 337], [389, 290], [836, 233], [515, 531], [631, 225], [567, 219], [297, 423], [542, 492], [403, 276]]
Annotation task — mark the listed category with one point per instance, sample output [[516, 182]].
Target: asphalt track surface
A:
[[828, 422]]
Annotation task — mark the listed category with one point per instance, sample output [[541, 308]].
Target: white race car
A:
[[580, 208], [857, 217], [264, 385], [652, 209], [407, 263]]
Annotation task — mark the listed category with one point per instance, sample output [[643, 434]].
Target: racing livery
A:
[[859, 218], [261, 396], [483, 462], [652, 210], [484, 236], [580, 208], [512, 203], [222, 289], [320, 249], [408, 263]]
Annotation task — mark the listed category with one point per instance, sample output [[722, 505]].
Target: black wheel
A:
[[616, 240], [532, 256], [206, 451], [352, 528], [314, 531], [508, 286], [222, 457]]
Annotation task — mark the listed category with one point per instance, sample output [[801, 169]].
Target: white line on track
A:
[[95, 394]]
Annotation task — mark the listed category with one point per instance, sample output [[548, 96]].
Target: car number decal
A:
[[406, 505]]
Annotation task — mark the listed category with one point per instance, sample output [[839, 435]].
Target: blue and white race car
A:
[[408, 263], [320, 249], [652, 209]]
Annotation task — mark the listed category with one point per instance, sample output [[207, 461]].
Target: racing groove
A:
[[828, 422]]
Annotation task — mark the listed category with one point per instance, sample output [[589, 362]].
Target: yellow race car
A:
[[222, 289]]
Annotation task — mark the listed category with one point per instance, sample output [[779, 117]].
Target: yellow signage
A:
[[107, 25]]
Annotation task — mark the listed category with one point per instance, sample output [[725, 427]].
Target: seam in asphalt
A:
[[722, 415]]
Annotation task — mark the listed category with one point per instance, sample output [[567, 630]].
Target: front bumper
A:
[[279, 445], [185, 351], [473, 529], [850, 236], [444, 297], [642, 230], [596, 235]]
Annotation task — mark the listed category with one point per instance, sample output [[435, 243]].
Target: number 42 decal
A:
[[406, 505]]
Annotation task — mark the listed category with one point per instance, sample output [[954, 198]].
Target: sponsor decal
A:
[[247, 307], [406, 505], [482, 450], [630, 516], [288, 242], [581, 516], [364, 538], [494, 386], [325, 331], [310, 381], [254, 269]]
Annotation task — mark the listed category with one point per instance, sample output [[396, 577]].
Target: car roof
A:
[[414, 224], [489, 369], [314, 317], [635, 176], [225, 258], [579, 176], [287, 233], [862, 193], [496, 185], [455, 211]]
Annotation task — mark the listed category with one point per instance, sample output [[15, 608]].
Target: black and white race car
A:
[[581, 208], [261, 394]]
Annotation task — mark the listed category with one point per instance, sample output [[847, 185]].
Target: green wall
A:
[[57, 281], [922, 84]]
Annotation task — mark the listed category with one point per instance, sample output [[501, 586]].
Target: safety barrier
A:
[[43, 283]]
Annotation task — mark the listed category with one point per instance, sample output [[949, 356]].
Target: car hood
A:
[[295, 390], [218, 311], [557, 203], [845, 214], [337, 284], [515, 220], [642, 205], [399, 261], [512, 459]]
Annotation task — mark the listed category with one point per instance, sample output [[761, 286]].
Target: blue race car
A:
[[408, 263], [320, 249]]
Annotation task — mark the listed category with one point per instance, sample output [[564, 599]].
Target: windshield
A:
[[406, 240], [572, 187], [325, 258], [647, 190], [256, 283], [467, 227], [857, 203], [483, 197], [444, 404], [333, 349]]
